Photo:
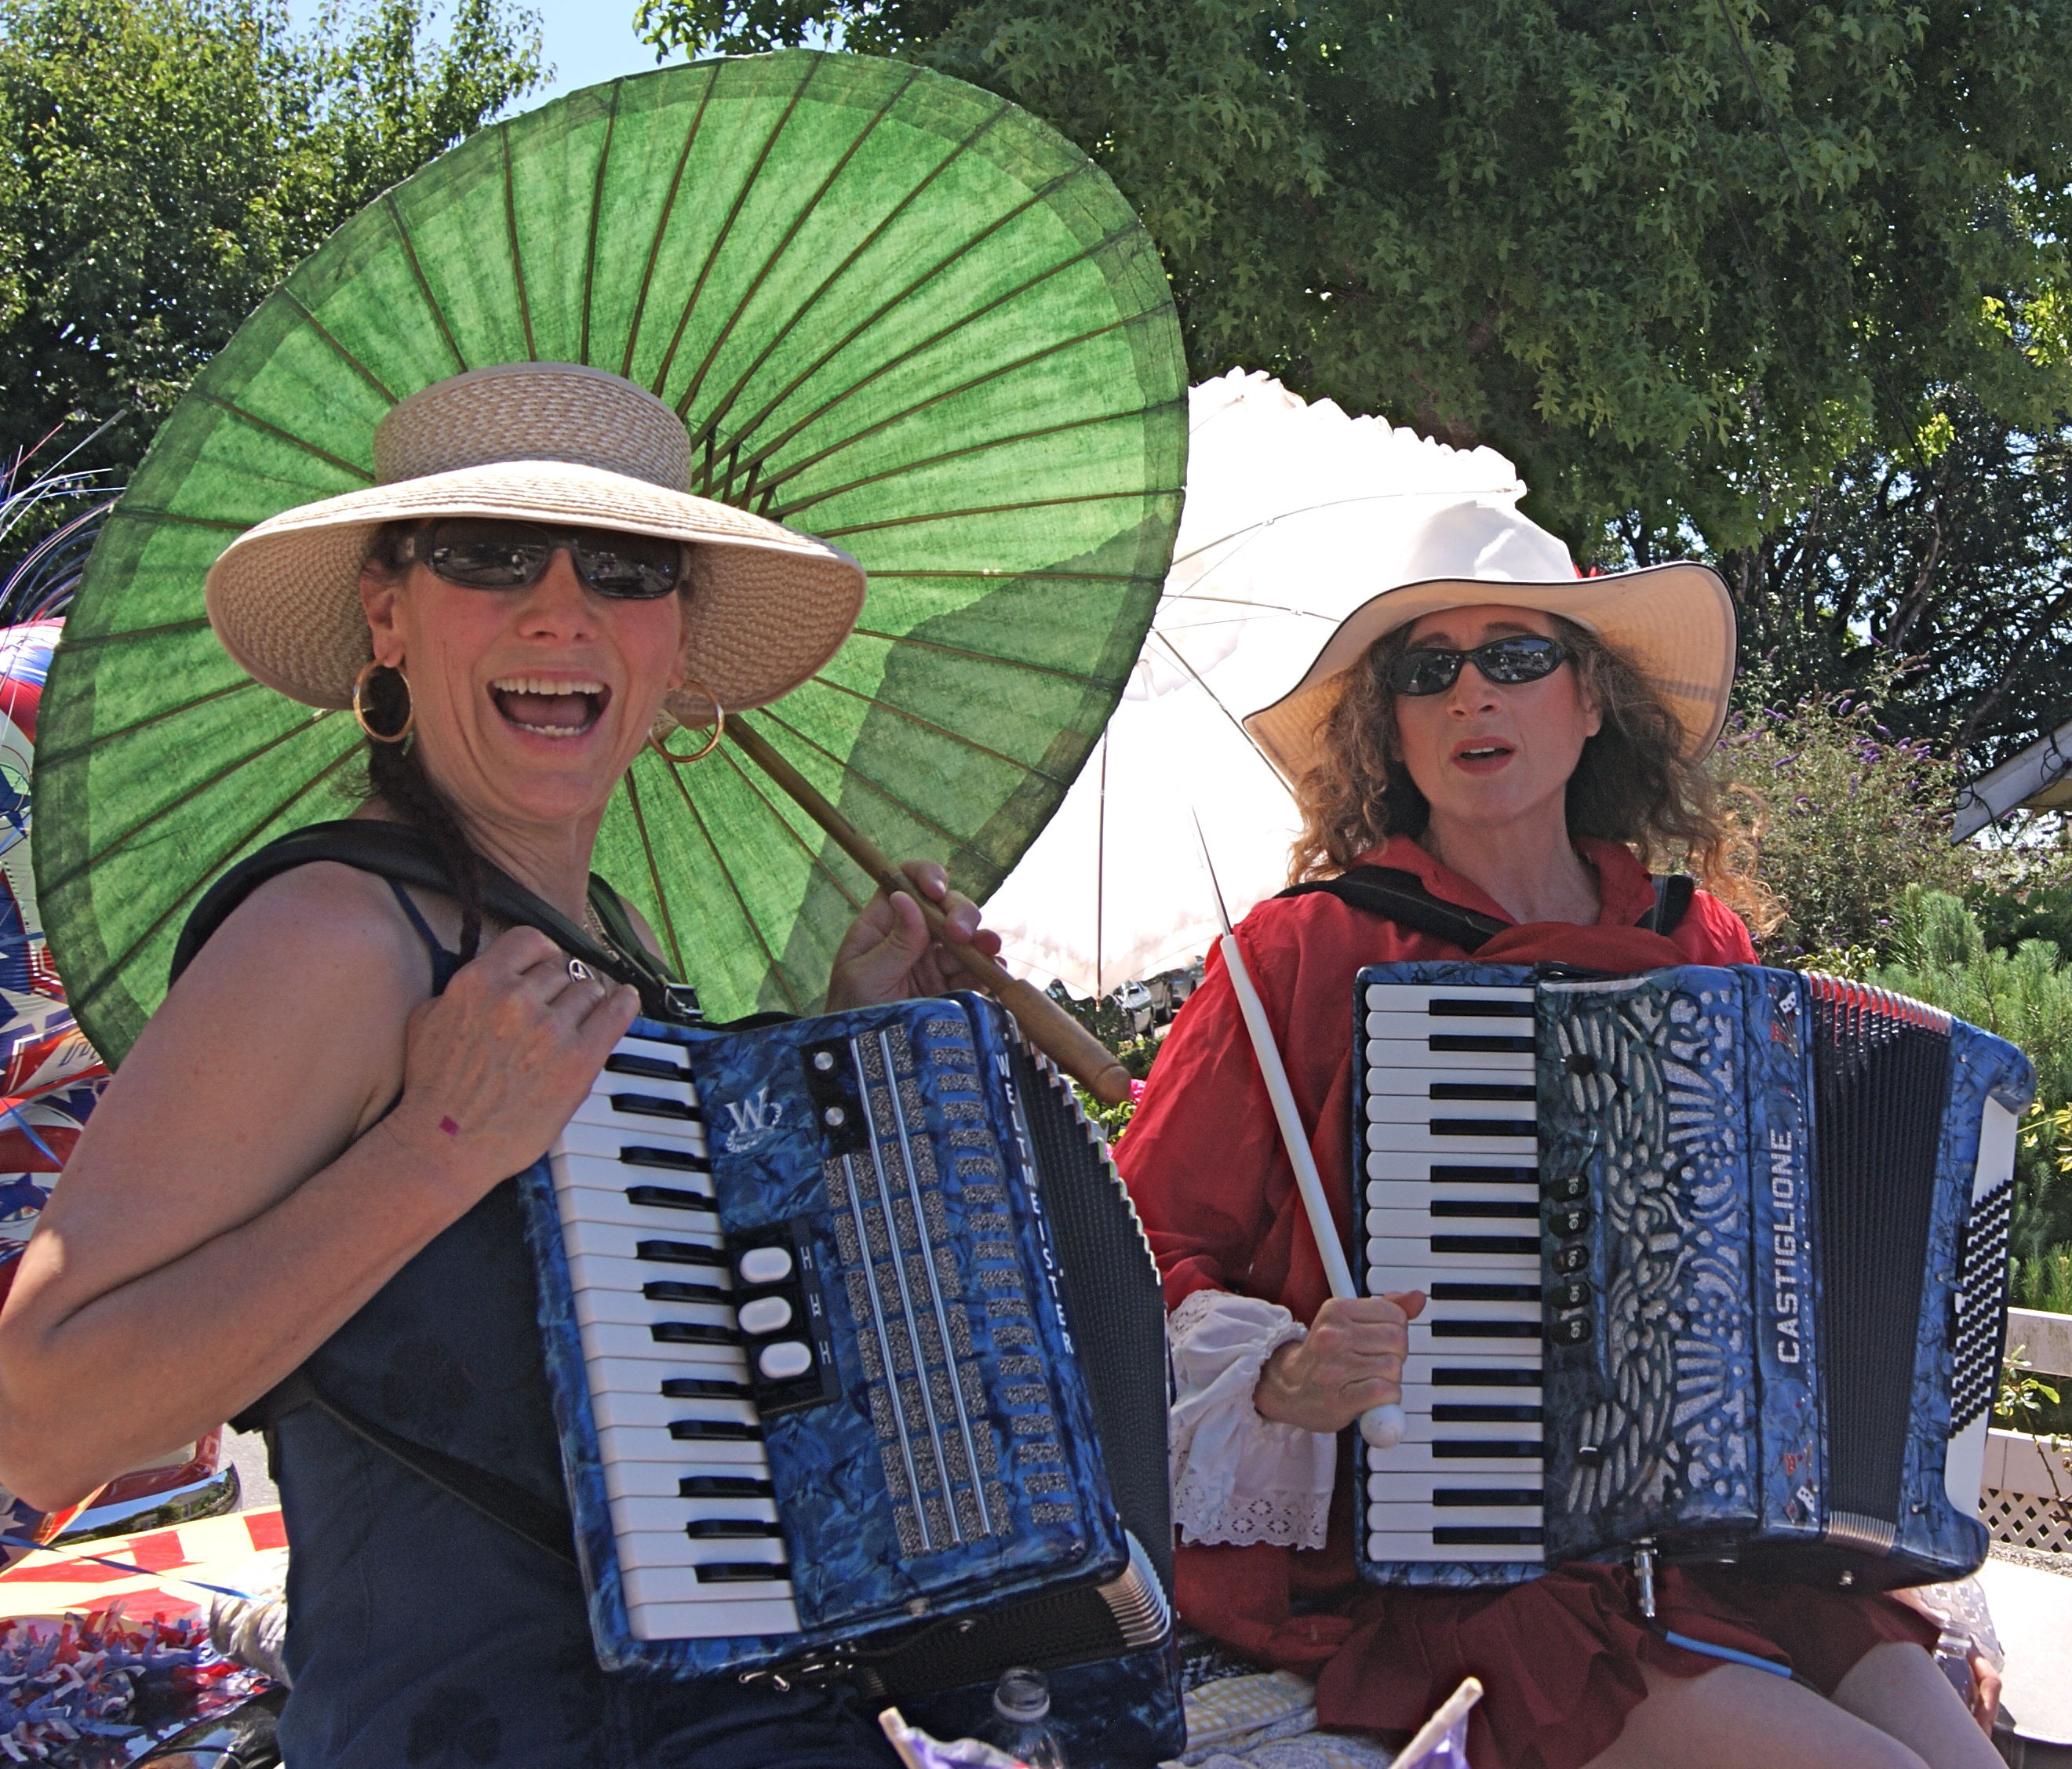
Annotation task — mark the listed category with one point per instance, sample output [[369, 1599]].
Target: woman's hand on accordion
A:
[[495, 1067], [1351, 1360], [888, 953]]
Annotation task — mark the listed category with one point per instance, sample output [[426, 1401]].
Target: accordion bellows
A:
[[1765, 1214]]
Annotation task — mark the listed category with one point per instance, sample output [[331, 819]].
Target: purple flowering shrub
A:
[[1839, 817]]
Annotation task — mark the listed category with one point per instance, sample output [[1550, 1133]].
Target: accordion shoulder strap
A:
[[545, 1525], [1401, 897]]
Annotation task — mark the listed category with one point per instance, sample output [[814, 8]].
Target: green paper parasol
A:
[[894, 310]]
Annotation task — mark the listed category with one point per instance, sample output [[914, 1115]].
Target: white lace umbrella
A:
[[1296, 514]]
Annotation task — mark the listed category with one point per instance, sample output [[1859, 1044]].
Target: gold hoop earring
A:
[[719, 731], [359, 708]]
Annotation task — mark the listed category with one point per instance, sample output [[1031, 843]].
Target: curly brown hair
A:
[[1632, 784]]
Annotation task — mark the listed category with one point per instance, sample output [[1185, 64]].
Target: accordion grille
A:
[[1881, 1078]]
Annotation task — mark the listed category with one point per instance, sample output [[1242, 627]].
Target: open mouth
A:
[[1481, 752], [550, 706]]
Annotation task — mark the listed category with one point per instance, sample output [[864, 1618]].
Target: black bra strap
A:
[[401, 852]]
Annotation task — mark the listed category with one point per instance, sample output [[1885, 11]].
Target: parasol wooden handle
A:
[[1046, 1024]]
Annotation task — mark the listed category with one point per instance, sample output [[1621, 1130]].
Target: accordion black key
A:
[[1717, 1263], [856, 1350]]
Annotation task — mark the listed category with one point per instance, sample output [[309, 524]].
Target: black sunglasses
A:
[[481, 554], [1524, 657]]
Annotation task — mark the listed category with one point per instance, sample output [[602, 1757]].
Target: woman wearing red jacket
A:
[[1520, 742]]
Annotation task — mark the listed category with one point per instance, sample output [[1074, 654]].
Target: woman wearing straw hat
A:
[[299, 1167], [1518, 742]]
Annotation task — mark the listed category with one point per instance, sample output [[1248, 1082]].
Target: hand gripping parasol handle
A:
[[1046, 1024]]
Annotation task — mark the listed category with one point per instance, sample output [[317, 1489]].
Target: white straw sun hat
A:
[[1673, 623], [545, 442]]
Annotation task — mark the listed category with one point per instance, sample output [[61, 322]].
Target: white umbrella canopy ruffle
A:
[[1295, 515]]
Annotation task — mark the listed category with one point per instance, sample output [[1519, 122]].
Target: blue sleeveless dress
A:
[[421, 1632]]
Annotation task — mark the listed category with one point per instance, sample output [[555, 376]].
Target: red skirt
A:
[[1559, 1656]]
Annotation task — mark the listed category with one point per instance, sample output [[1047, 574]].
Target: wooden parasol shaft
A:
[[1046, 1024]]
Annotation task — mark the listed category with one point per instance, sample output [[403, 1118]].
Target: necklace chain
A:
[[593, 925]]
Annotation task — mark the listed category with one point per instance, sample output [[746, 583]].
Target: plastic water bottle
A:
[[1021, 1719]]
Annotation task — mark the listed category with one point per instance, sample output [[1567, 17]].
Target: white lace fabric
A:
[[1238, 1477]]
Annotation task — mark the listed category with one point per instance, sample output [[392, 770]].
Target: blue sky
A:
[[584, 41]]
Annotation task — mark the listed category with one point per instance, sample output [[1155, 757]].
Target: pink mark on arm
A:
[[450, 1126]]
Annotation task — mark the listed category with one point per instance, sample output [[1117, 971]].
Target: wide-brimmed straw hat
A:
[[547, 442], [1673, 623]]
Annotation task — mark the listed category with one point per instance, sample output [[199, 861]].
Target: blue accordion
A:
[[1717, 1263], [856, 1348]]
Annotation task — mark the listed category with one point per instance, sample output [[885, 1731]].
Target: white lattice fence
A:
[[2016, 1503], [2022, 1478]]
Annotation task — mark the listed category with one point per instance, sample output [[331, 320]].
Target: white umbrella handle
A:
[[1381, 1427]]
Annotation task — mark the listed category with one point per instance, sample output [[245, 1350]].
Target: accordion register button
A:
[[1572, 1221], [1570, 1188], [765, 1265], [1568, 1259], [1570, 1330], [765, 1315], [786, 1362]]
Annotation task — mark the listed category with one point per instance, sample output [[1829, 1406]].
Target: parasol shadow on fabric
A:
[[894, 310], [1296, 514]]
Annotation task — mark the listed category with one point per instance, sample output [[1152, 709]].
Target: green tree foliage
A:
[[166, 161], [1956, 555], [1939, 955], [1678, 260]]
